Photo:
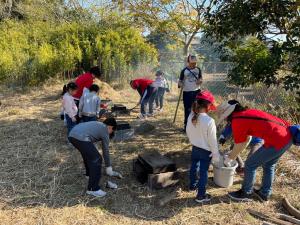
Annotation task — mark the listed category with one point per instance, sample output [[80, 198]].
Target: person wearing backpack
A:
[[190, 80], [277, 138]]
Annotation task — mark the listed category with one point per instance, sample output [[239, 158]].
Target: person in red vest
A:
[[85, 81], [277, 138], [147, 91]]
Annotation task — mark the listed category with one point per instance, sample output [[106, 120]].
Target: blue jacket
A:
[[227, 133]]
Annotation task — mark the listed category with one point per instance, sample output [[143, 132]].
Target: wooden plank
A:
[[289, 218], [162, 180], [268, 218]]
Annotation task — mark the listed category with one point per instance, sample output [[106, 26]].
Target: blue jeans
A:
[[70, 123], [200, 159], [159, 99], [149, 98], [267, 158], [89, 118], [188, 99]]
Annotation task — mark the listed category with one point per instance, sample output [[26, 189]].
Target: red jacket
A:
[[141, 84], [274, 134], [83, 81]]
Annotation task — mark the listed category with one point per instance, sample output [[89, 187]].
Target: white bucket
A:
[[223, 176]]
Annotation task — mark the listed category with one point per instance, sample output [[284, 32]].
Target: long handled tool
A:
[[179, 99]]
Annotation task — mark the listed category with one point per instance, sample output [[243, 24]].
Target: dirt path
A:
[[42, 182]]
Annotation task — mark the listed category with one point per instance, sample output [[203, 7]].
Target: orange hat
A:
[[206, 95]]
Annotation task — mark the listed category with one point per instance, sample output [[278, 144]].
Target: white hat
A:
[[224, 110]]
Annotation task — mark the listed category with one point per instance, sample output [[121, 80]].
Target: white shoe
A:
[[142, 116], [98, 193], [150, 114], [111, 185]]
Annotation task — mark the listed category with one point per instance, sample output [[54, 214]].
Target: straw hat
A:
[[224, 110]]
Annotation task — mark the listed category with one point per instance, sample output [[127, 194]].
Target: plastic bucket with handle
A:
[[224, 176]]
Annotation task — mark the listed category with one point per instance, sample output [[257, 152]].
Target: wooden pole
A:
[[268, 218], [179, 98], [293, 211]]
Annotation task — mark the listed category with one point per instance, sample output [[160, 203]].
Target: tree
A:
[[181, 20], [264, 37]]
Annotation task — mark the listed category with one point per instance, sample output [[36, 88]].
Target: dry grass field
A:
[[42, 181]]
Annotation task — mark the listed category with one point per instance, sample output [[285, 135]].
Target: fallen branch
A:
[[268, 218], [293, 211], [289, 218]]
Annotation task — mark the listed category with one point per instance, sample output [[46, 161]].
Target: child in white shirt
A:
[[201, 131], [69, 105]]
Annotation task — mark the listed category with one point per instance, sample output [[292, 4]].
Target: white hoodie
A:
[[204, 134]]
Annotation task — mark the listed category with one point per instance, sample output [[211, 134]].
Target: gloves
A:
[[228, 162], [215, 157], [111, 173], [222, 140]]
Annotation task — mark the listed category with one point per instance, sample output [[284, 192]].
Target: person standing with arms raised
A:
[[190, 80]]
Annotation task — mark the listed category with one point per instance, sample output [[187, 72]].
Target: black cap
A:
[[111, 122]]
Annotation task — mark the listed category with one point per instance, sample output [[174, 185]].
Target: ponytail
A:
[[69, 86], [196, 107], [64, 91]]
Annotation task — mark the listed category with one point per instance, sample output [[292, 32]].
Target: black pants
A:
[[92, 161], [189, 98]]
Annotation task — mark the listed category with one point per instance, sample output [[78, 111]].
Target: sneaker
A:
[[202, 199], [98, 193], [240, 196], [111, 185], [142, 116], [260, 196], [150, 114]]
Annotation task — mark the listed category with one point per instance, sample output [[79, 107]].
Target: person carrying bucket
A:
[[201, 131], [147, 92], [190, 80], [277, 140]]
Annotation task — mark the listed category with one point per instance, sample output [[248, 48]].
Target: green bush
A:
[[32, 51]]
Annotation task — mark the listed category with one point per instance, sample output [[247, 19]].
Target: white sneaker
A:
[[98, 193], [142, 116], [150, 114], [111, 185]]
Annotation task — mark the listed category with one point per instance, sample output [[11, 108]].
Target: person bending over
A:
[[277, 138], [83, 137], [147, 92]]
